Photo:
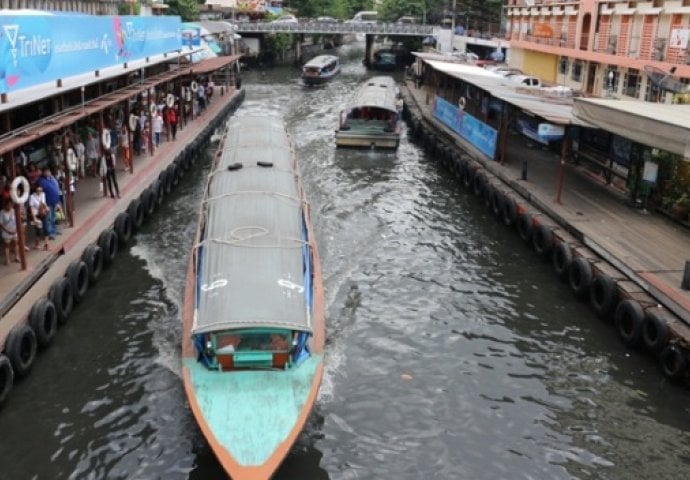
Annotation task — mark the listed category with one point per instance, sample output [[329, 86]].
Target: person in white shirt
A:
[[157, 128], [80, 150]]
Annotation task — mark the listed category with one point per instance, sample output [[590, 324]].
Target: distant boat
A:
[[385, 60], [320, 69], [371, 117], [253, 335]]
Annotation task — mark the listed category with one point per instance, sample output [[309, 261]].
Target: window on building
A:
[[577, 71], [563, 66], [631, 83]]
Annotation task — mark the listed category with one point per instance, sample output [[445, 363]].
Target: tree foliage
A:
[[333, 8], [187, 9]]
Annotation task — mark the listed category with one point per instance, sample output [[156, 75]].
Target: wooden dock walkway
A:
[[650, 249]]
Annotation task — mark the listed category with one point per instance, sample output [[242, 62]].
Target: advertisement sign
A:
[[621, 149], [679, 38], [36, 49], [476, 132], [543, 30]]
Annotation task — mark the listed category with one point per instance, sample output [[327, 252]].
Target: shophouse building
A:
[[623, 49]]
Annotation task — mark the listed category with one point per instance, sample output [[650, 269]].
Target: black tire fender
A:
[[478, 183], [6, 378], [44, 322], [107, 240], [20, 348], [655, 332], [488, 194], [525, 226], [468, 175], [93, 257], [173, 175], [166, 185], [136, 212], [60, 294], [562, 259], [123, 227], [78, 276], [509, 211], [580, 276], [603, 295], [674, 362], [497, 203], [629, 319], [158, 189], [542, 240]]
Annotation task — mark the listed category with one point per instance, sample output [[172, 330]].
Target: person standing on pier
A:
[[110, 176], [8, 225], [157, 128], [172, 120], [51, 188]]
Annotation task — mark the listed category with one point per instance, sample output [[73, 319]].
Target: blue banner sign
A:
[[478, 133], [36, 49]]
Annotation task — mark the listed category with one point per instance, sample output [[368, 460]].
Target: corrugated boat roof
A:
[[251, 272], [377, 92], [321, 61]]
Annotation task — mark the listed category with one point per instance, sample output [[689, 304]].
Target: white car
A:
[[287, 18]]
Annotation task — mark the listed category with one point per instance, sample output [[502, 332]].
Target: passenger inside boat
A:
[[251, 348]]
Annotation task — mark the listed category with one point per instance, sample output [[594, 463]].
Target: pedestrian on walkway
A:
[[172, 120], [80, 151], [124, 148], [110, 176], [92, 153], [157, 128], [8, 225], [51, 188], [38, 213]]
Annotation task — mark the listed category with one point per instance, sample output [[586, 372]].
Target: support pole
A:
[[69, 198], [19, 221], [685, 284], [561, 171]]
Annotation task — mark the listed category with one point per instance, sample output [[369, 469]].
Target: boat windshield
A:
[[252, 348]]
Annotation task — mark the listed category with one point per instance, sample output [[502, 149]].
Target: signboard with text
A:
[[473, 130], [36, 49]]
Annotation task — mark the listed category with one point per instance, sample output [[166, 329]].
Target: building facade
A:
[[625, 49]]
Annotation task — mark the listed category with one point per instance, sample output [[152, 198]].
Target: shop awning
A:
[[658, 125]]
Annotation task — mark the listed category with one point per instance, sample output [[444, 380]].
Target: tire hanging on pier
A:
[[478, 183], [60, 294], [123, 228], [525, 226], [497, 203], [562, 259], [93, 257], [136, 212], [542, 240], [44, 322], [509, 211], [603, 295], [580, 277], [6, 378], [629, 319], [655, 332], [674, 362], [107, 240], [20, 348], [78, 276]]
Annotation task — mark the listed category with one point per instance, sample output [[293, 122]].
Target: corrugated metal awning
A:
[[557, 110], [658, 125]]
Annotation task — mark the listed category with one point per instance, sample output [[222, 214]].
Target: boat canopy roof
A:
[[377, 92], [321, 61], [251, 252]]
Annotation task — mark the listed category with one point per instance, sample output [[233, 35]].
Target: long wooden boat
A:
[[320, 69], [253, 340], [371, 117]]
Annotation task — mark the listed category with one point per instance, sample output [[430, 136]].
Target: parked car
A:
[[326, 20], [406, 21], [287, 18]]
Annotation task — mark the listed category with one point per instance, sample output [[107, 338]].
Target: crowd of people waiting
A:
[[88, 154]]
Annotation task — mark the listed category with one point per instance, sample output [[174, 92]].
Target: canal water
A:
[[452, 353]]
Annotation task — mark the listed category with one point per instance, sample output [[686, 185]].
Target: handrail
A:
[[336, 28]]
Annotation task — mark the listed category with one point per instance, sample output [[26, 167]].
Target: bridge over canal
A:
[[370, 30]]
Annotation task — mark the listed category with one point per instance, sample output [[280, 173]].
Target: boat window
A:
[[274, 341]]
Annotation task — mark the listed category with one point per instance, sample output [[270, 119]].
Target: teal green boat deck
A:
[[250, 412]]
